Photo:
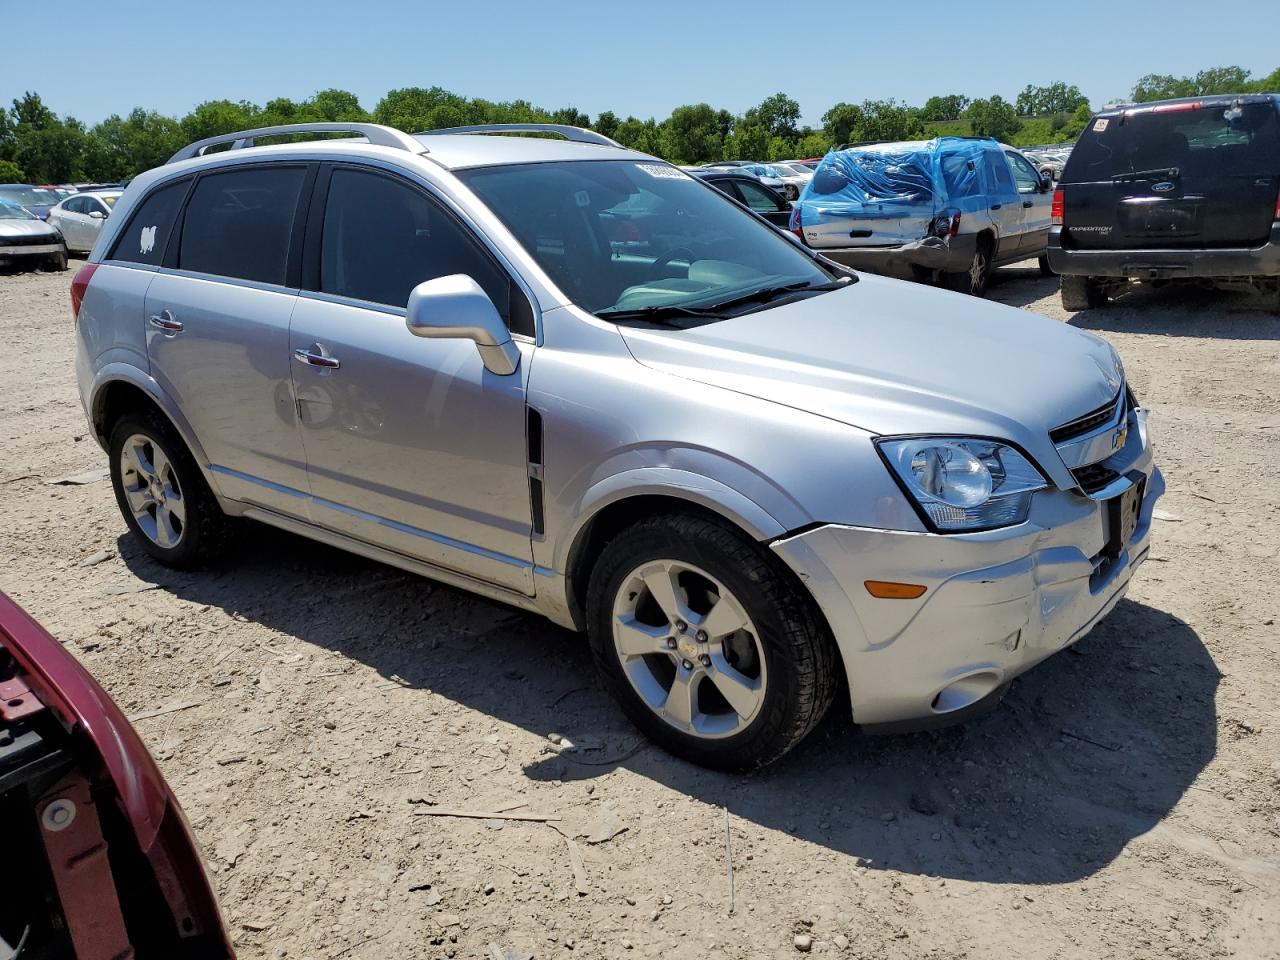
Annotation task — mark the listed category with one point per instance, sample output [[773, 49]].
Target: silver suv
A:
[[572, 378]]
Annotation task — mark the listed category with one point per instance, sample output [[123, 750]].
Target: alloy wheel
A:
[[689, 649], [152, 491]]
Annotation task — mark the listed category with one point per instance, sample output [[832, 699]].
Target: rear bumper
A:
[[932, 253], [1263, 261], [996, 603]]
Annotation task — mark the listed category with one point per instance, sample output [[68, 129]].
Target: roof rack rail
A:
[[375, 133], [576, 134]]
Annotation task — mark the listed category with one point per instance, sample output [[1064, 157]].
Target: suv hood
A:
[[891, 357]]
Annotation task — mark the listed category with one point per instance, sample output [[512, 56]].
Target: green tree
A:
[[842, 122], [642, 135], [812, 145], [216, 117], [572, 116], [607, 123], [52, 154], [334, 106], [748, 141], [692, 135], [10, 172], [30, 112], [993, 117], [949, 107], [777, 114], [1268, 84], [889, 120], [119, 148], [1036, 101], [1159, 86]]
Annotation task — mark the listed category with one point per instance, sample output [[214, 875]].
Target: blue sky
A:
[[642, 58]]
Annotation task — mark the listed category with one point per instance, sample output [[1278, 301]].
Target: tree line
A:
[[38, 146]]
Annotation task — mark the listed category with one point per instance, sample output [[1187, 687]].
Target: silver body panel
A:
[[411, 452]]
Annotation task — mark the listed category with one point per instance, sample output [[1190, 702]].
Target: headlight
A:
[[964, 484]]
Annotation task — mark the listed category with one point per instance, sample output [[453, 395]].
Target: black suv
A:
[[1171, 191]]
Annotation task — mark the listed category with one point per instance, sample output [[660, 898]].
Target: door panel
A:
[[228, 369], [412, 444], [1004, 204], [1036, 204]]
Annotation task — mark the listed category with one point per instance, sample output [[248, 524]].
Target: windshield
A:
[[11, 211], [621, 235], [29, 196], [1239, 139]]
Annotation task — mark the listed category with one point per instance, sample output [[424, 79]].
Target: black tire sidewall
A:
[[755, 586]]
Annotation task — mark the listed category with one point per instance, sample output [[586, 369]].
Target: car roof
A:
[[457, 151], [1211, 100]]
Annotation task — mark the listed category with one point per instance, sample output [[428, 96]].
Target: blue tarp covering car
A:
[[915, 208]]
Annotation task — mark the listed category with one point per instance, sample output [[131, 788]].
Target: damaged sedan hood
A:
[[891, 357]]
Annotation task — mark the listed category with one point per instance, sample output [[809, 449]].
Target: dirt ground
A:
[[1123, 802]]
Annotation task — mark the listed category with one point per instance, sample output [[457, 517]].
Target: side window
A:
[[1024, 175], [725, 186], [382, 237], [74, 205], [145, 237], [999, 168], [757, 198], [239, 223]]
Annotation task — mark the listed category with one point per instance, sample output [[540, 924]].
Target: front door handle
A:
[[316, 359], [165, 320], [1028, 204], [994, 206]]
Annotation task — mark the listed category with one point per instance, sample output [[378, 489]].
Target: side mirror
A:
[[457, 308], [1046, 183], [97, 215]]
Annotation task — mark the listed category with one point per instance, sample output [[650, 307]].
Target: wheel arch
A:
[[120, 389]]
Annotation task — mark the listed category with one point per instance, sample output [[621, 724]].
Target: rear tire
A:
[[974, 280], [162, 494], [1043, 264], [1082, 293], [776, 645]]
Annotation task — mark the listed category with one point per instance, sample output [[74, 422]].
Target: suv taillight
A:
[[79, 284], [1055, 211], [793, 224], [1278, 206]]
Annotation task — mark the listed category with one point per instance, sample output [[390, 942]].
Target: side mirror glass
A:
[[457, 308]]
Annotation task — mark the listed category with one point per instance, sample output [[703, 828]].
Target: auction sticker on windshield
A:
[[662, 171]]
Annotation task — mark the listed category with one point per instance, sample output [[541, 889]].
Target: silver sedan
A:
[[80, 217]]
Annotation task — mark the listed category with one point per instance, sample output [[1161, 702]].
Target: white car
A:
[[80, 217]]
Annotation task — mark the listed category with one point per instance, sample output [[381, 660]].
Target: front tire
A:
[[708, 645], [162, 494], [56, 262], [1082, 293]]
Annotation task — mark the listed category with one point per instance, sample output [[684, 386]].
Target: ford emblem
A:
[[1164, 186]]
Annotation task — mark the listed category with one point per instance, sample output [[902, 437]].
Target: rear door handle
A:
[[995, 206], [316, 359], [1028, 204], [165, 320]]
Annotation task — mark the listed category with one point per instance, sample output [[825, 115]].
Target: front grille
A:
[[1094, 477], [28, 241], [1089, 422]]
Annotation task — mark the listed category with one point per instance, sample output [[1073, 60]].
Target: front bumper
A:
[[8, 251], [996, 602], [1167, 264], [932, 253]]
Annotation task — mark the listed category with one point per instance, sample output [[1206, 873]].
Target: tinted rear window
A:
[[1244, 139], [239, 223], [144, 239]]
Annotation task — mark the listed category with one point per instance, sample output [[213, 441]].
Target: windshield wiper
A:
[[1171, 172], [660, 314], [765, 294]]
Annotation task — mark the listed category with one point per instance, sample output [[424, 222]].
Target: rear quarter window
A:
[[1221, 140], [144, 238]]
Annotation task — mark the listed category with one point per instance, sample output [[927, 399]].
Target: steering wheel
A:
[[665, 260]]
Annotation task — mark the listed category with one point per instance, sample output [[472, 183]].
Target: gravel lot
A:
[[1121, 803]]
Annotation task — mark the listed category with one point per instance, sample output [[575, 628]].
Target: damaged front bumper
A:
[[996, 603]]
